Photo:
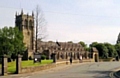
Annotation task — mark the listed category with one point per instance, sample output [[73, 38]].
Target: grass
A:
[[30, 63], [12, 65]]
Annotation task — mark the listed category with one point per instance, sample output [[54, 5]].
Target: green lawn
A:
[[12, 65], [30, 63]]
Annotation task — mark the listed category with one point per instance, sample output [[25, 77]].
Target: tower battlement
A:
[[25, 23]]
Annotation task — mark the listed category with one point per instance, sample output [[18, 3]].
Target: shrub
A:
[[43, 57], [30, 58]]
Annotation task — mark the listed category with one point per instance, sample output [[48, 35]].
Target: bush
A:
[[43, 57], [30, 57]]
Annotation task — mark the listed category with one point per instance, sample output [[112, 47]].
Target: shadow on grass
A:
[[9, 73]]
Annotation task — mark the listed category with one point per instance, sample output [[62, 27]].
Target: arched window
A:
[[70, 49], [30, 24], [26, 23]]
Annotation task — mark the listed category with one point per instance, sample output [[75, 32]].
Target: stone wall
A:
[[39, 68]]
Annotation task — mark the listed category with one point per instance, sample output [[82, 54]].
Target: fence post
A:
[[4, 64], [18, 64]]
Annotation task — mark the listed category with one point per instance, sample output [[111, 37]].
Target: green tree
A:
[[117, 47], [18, 41], [6, 46], [111, 50], [93, 44], [105, 52], [102, 49], [83, 44], [11, 40]]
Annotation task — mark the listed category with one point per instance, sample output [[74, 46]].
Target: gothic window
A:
[[74, 49], [58, 48], [28, 32], [26, 23], [63, 49], [30, 24], [31, 43]]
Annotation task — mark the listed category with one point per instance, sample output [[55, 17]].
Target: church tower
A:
[[25, 23]]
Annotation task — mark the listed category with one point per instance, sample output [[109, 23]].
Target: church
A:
[[25, 23]]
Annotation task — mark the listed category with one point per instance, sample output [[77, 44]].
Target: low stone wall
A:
[[48, 66], [37, 68]]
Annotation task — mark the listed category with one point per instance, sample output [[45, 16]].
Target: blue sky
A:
[[70, 20]]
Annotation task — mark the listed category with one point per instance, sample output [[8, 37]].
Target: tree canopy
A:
[[106, 49], [82, 43], [11, 41]]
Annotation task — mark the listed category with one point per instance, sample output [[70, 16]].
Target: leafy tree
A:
[[111, 50], [105, 52], [117, 47], [87, 49], [82, 43], [102, 49], [11, 40], [18, 41], [6, 46], [106, 49], [93, 44]]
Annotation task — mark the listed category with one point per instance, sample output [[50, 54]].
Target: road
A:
[[81, 70]]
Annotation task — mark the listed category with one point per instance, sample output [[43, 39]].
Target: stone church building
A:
[[25, 23], [63, 51]]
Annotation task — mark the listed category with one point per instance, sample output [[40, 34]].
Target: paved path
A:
[[81, 70]]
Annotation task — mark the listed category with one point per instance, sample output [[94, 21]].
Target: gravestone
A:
[[37, 57]]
